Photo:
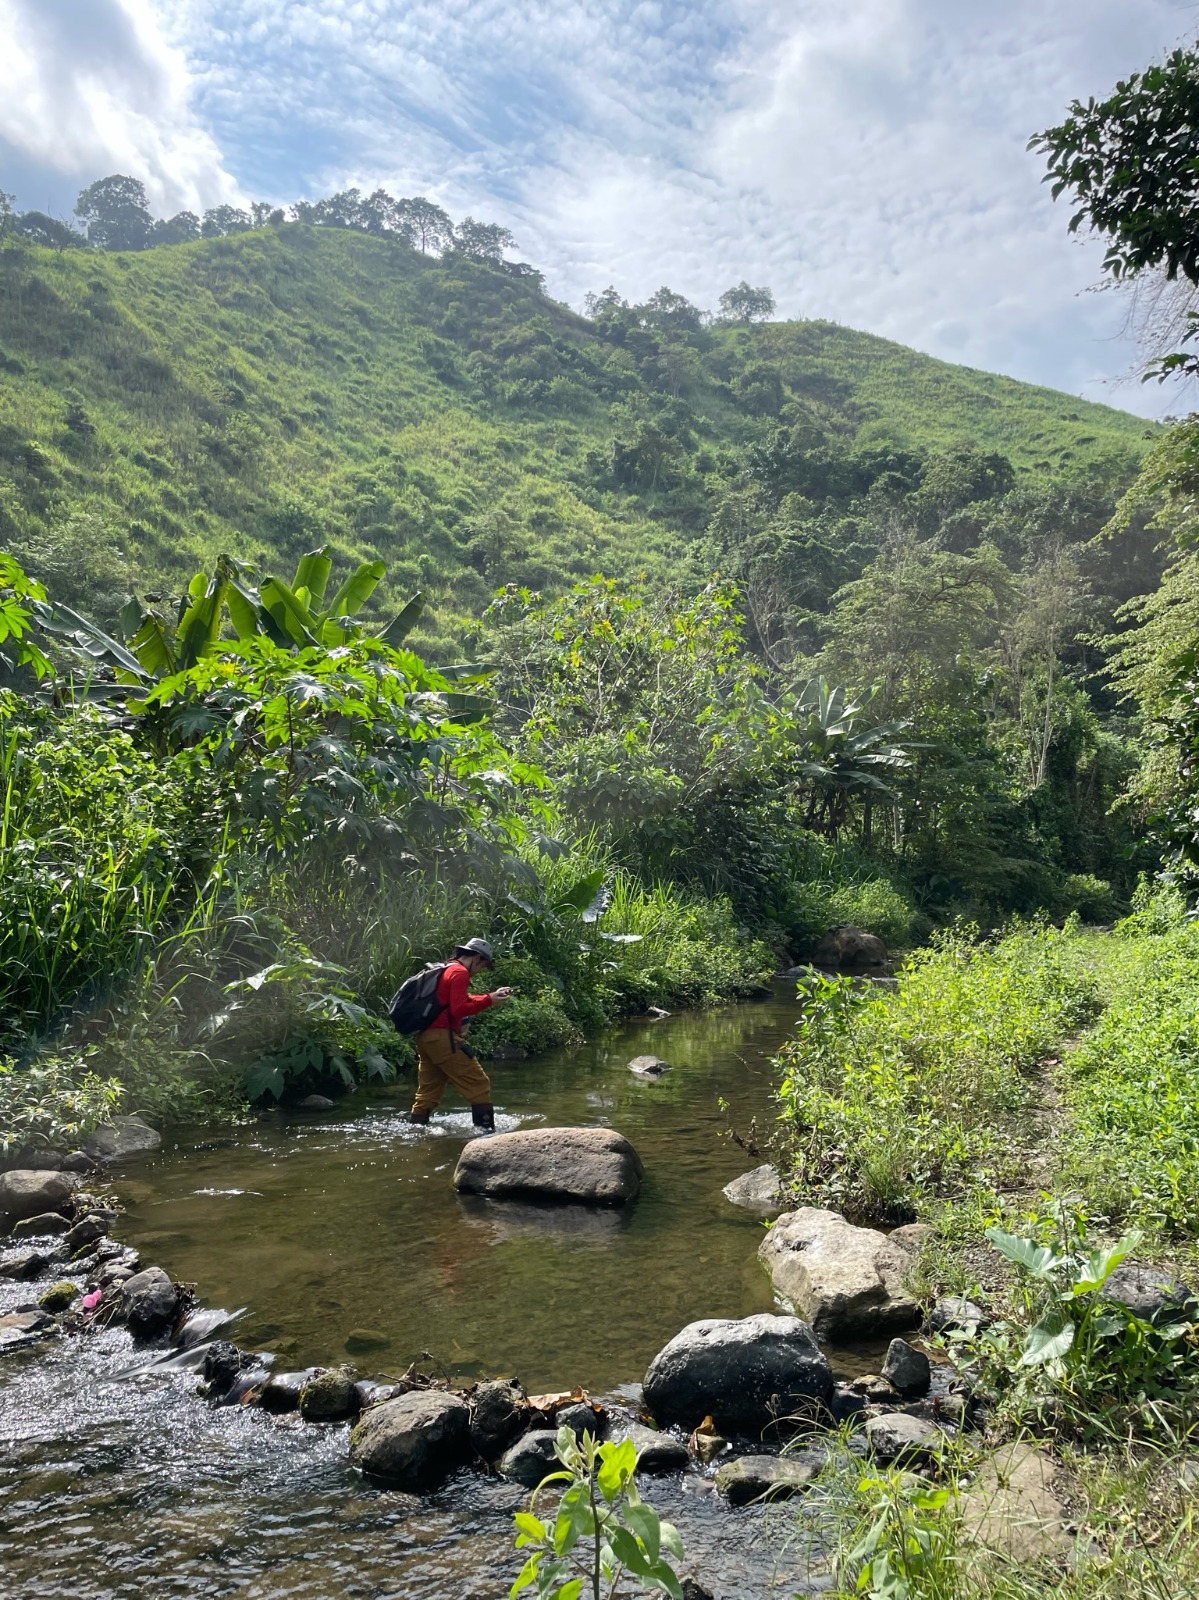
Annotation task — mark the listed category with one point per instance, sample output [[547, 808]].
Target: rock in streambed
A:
[[591, 1166], [29, 1193], [414, 1442], [847, 1282], [759, 1192], [744, 1374]]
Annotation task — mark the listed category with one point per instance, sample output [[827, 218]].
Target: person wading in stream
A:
[[444, 1054]]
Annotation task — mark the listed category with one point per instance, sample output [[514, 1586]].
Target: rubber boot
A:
[[419, 1119], [482, 1114]]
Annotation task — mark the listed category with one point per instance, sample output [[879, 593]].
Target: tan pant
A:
[[444, 1060]]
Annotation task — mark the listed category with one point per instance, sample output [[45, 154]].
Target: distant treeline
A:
[[114, 214]]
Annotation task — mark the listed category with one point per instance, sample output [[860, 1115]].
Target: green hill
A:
[[264, 392]]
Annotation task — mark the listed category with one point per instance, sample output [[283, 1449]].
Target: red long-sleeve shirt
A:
[[454, 992]]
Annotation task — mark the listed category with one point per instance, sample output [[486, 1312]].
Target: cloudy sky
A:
[[865, 158]]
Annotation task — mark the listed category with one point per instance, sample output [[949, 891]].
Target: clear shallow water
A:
[[114, 1487], [320, 1225]]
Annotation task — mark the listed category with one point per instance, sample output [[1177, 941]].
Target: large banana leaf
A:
[[357, 590], [90, 640], [398, 629], [200, 626], [291, 614], [312, 573]]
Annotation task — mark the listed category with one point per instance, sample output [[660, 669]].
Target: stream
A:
[[328, 1226]]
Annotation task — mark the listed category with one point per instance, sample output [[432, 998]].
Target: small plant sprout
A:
[[603, 1531]]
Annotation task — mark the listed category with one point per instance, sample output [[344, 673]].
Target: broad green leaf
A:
[[628, 1552], [527, 1574], [292, 616], [571, 1590], [93, 641], [529, 1527], [1034, 1258], [357, 590], [618, 1462], [671, 1539], [153, 648], [200, 627], [1102, 1263], [1049, 1340], [583, 893], [644, 1522], [312, 573], [574, 1519], [401, 625], [662, 1576], [245, 609]]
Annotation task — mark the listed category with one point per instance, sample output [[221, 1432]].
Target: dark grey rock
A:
[[693, 1589], [846, 1403], [20, 1329], [86, 1231], [649, 1067], [956, 1314], [594, 1166], [743, 1374], [281, 1391], [499, 1414], [223, 1364], [531, 1458], [657, 1453], [897, 1436], [907, 1369], [248, 1385], [503, 1051], [120, 1139], [581, 1418], [29, 1193], [768, 1477], [330, 1396], [372, 1392], [316, 1102], [416, 1441], [759, 1192], [872, 1386], [149, 1302], [1151, 1294], [30, 1160], [25, 1265], [46, 1225], [850, 950], [117, 1269]]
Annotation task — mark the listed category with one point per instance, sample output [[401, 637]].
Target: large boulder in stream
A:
[[848, 1282], [744, 1374], [124, 1137], [591, 1166], [414, 1442], [29, 1192]]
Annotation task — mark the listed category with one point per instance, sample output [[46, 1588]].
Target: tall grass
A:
[[888, 1098]]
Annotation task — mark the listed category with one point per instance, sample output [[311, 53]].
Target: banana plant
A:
[[292, 616], [840, 758]]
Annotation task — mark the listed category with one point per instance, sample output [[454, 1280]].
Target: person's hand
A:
[[498, 996]]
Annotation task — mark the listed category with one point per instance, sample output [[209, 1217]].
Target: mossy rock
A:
[[330, 1396], [59, 1296]]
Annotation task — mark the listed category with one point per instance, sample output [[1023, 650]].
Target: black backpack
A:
[[414, 1004]]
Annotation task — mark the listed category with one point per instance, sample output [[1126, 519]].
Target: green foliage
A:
[[17, 622], [602, 1532], [1066, 1354], [888, 1099], [1132, 1086], [53, 1104]]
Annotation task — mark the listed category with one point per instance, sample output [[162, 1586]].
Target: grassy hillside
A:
[[263, 392]]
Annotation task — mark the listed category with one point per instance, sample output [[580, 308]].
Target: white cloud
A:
[[91, 87], [866, 158]]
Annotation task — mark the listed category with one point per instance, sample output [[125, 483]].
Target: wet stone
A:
[[744, 1373], [46, 1225], [31, 1193], [907, 1369], [874, 1387], [316, 1102], [657, 1453], [360, 1340], [281, 1392], [649, 1067], [149, 1301], [372, 1392], [499, 1414], [25, 1265], [532, 1458], [581, 1418], [415, 1441], [86, 1231], [59, 1297], [759, 1192], [768, 1477], [223, 1363], [330, 1396], [846, 1403], [897, 1436]]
